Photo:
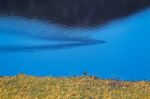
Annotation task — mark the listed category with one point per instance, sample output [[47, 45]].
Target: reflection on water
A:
[[73, 12], [125, 55], [39, 30]]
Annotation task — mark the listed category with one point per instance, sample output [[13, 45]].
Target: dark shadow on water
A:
[[7, 49], [73, 12]]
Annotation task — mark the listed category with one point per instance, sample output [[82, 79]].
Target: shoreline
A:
[[82, 87]]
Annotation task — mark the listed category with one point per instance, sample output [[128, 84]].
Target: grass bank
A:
[[84, 87]]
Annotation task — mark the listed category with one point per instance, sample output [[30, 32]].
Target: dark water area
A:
[[73, 12], [119, 49]]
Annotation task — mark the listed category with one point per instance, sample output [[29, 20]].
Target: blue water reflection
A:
[[31, 47]]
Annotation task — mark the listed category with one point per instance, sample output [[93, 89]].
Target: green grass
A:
[[84, 87]]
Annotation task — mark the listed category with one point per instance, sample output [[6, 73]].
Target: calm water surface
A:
[[125, 55]]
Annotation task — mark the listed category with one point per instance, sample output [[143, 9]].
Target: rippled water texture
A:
[[118, 50], [31, 35]]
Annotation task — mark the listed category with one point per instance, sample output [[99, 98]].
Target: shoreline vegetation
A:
[[82, 87]]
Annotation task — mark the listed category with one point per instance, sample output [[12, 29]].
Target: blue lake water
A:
[[36, 47]]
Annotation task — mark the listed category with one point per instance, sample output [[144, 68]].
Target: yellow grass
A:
[[84, 87]]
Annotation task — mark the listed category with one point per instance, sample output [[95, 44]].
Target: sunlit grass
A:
[[84, 87]]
